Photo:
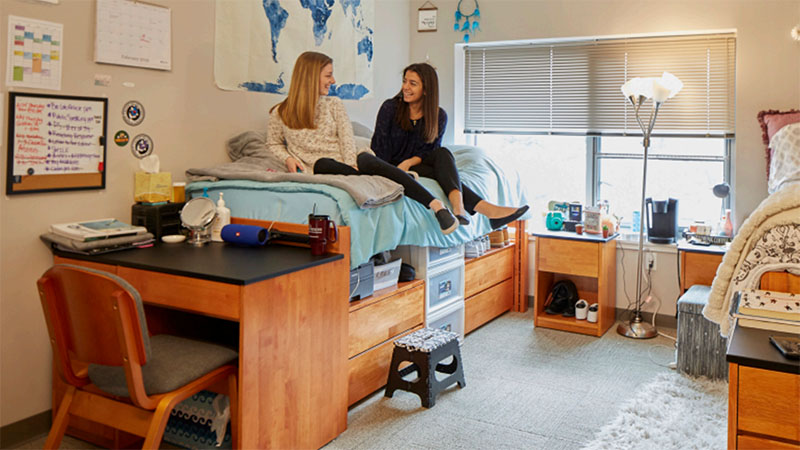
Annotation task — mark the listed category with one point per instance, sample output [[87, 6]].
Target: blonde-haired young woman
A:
[[309, 129]]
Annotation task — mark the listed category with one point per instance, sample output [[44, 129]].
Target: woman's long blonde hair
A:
[[297, 111]]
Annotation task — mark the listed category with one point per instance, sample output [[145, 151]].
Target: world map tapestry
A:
[[257, 42]]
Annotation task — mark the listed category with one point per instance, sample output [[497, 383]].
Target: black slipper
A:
[[499, 222], [447, 221], [462, 219]]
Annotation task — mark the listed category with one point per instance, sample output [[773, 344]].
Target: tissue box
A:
[[152, 187]]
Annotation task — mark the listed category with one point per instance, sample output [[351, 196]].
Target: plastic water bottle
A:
[[637, 218]]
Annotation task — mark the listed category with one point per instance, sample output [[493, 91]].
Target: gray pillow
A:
[[362, 130]]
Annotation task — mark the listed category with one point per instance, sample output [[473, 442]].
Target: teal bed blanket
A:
[[373, 230]]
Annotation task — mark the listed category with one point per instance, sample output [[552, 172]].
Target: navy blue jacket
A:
[[393, 144]]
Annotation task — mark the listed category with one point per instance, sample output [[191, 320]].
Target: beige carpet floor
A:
[[526, 388]]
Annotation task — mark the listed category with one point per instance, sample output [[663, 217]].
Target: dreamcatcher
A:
[[469, 26]]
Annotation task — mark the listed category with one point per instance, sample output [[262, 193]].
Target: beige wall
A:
[[189, 120], [767, 63], [767, 72]]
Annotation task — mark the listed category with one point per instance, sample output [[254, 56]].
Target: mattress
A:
[[373, 230]]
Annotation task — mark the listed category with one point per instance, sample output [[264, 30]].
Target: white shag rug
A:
[[671, 412]]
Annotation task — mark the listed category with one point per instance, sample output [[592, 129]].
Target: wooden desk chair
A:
[[128, 380]]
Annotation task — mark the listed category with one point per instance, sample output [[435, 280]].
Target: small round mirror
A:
[[197, 215]]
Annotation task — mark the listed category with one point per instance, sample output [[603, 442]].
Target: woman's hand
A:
[[410, 162], [293, 165]]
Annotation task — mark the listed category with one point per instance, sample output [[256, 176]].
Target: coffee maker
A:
[[662, 220]]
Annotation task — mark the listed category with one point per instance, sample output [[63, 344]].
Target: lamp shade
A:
[[659, 89], [666, 87]]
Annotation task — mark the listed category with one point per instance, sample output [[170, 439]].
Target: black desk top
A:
[[751, 347], [214, 261]]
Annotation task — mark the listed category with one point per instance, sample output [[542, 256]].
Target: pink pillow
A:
[[773, 120]]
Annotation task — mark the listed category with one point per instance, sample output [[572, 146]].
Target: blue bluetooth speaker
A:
[[245, 234]]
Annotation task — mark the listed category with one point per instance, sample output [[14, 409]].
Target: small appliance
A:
[[662, 220], [554, 220]]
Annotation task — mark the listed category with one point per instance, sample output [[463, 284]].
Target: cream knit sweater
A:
[[332, 137]]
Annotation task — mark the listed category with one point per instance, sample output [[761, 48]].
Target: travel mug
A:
[[321, 231]]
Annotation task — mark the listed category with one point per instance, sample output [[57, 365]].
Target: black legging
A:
[[439, 165], [369, 164]]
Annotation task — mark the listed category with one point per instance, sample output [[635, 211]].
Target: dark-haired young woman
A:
[[408, 134]]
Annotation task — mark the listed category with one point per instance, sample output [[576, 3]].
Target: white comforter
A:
[[774, 225]]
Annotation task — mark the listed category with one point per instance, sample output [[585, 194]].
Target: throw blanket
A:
[[769, 240], [252, 161]]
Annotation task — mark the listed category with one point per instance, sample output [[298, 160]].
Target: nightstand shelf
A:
[[590, 263]]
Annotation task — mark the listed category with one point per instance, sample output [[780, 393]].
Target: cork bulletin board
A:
[[55, 142]]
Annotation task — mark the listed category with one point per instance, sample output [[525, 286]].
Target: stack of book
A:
[[767, 310], [96, 236]]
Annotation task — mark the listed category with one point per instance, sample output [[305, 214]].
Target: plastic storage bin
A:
[[428, 259], [445, 286], [386, 275], [450, 318]]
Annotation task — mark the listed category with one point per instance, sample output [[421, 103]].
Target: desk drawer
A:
[[486, 271], [568, 257], [173, 291], [768, 403], [385, 319]]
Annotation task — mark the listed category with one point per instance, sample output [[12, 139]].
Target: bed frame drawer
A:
[[768, 403], [385, 319], [487, 305], [486, 271], [569, 257], [369, 370]]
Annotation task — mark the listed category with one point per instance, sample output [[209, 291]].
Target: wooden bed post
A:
[[520, 267]]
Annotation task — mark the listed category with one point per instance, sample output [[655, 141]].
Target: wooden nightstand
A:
[[698, 263], [591, 263]]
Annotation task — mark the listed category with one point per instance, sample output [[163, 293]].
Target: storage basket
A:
[[386, 275]]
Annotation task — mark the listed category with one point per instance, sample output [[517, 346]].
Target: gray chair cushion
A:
[[174, 363], [136, 299]]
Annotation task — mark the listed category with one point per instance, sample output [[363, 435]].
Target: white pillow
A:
[[784, 166]]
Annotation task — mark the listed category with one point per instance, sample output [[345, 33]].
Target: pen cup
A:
[[178, 192]]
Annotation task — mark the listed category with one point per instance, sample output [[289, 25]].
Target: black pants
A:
[[439, 165]]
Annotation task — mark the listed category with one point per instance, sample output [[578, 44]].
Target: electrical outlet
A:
[[650, 261]]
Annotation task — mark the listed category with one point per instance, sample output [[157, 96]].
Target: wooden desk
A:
[[698, 263], [763, 393], [292, 327]]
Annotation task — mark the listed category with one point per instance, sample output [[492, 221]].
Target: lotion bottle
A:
[[223, 218]]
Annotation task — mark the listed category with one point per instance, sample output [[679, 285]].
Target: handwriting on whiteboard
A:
[[53, 136]]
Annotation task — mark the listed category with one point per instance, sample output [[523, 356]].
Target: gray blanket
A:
[[252, 161]]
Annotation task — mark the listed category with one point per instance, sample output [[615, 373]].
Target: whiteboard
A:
[[55, 142], [131, 33]]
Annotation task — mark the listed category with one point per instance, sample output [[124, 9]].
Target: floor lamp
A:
[[638, 91]]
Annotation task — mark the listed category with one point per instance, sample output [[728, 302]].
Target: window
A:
[[553, 111]]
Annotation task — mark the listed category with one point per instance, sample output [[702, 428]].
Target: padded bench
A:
[[701, 349]]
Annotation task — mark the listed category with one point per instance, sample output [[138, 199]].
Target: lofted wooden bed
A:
[[494, 284]]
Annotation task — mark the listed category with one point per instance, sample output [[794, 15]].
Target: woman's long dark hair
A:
[[430, 102]]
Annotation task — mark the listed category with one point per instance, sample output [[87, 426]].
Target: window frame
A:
[[594, 158]]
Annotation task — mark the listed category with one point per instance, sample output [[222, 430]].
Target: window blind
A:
[[573, 87]]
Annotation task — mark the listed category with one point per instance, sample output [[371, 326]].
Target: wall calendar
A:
[[132, 33]]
